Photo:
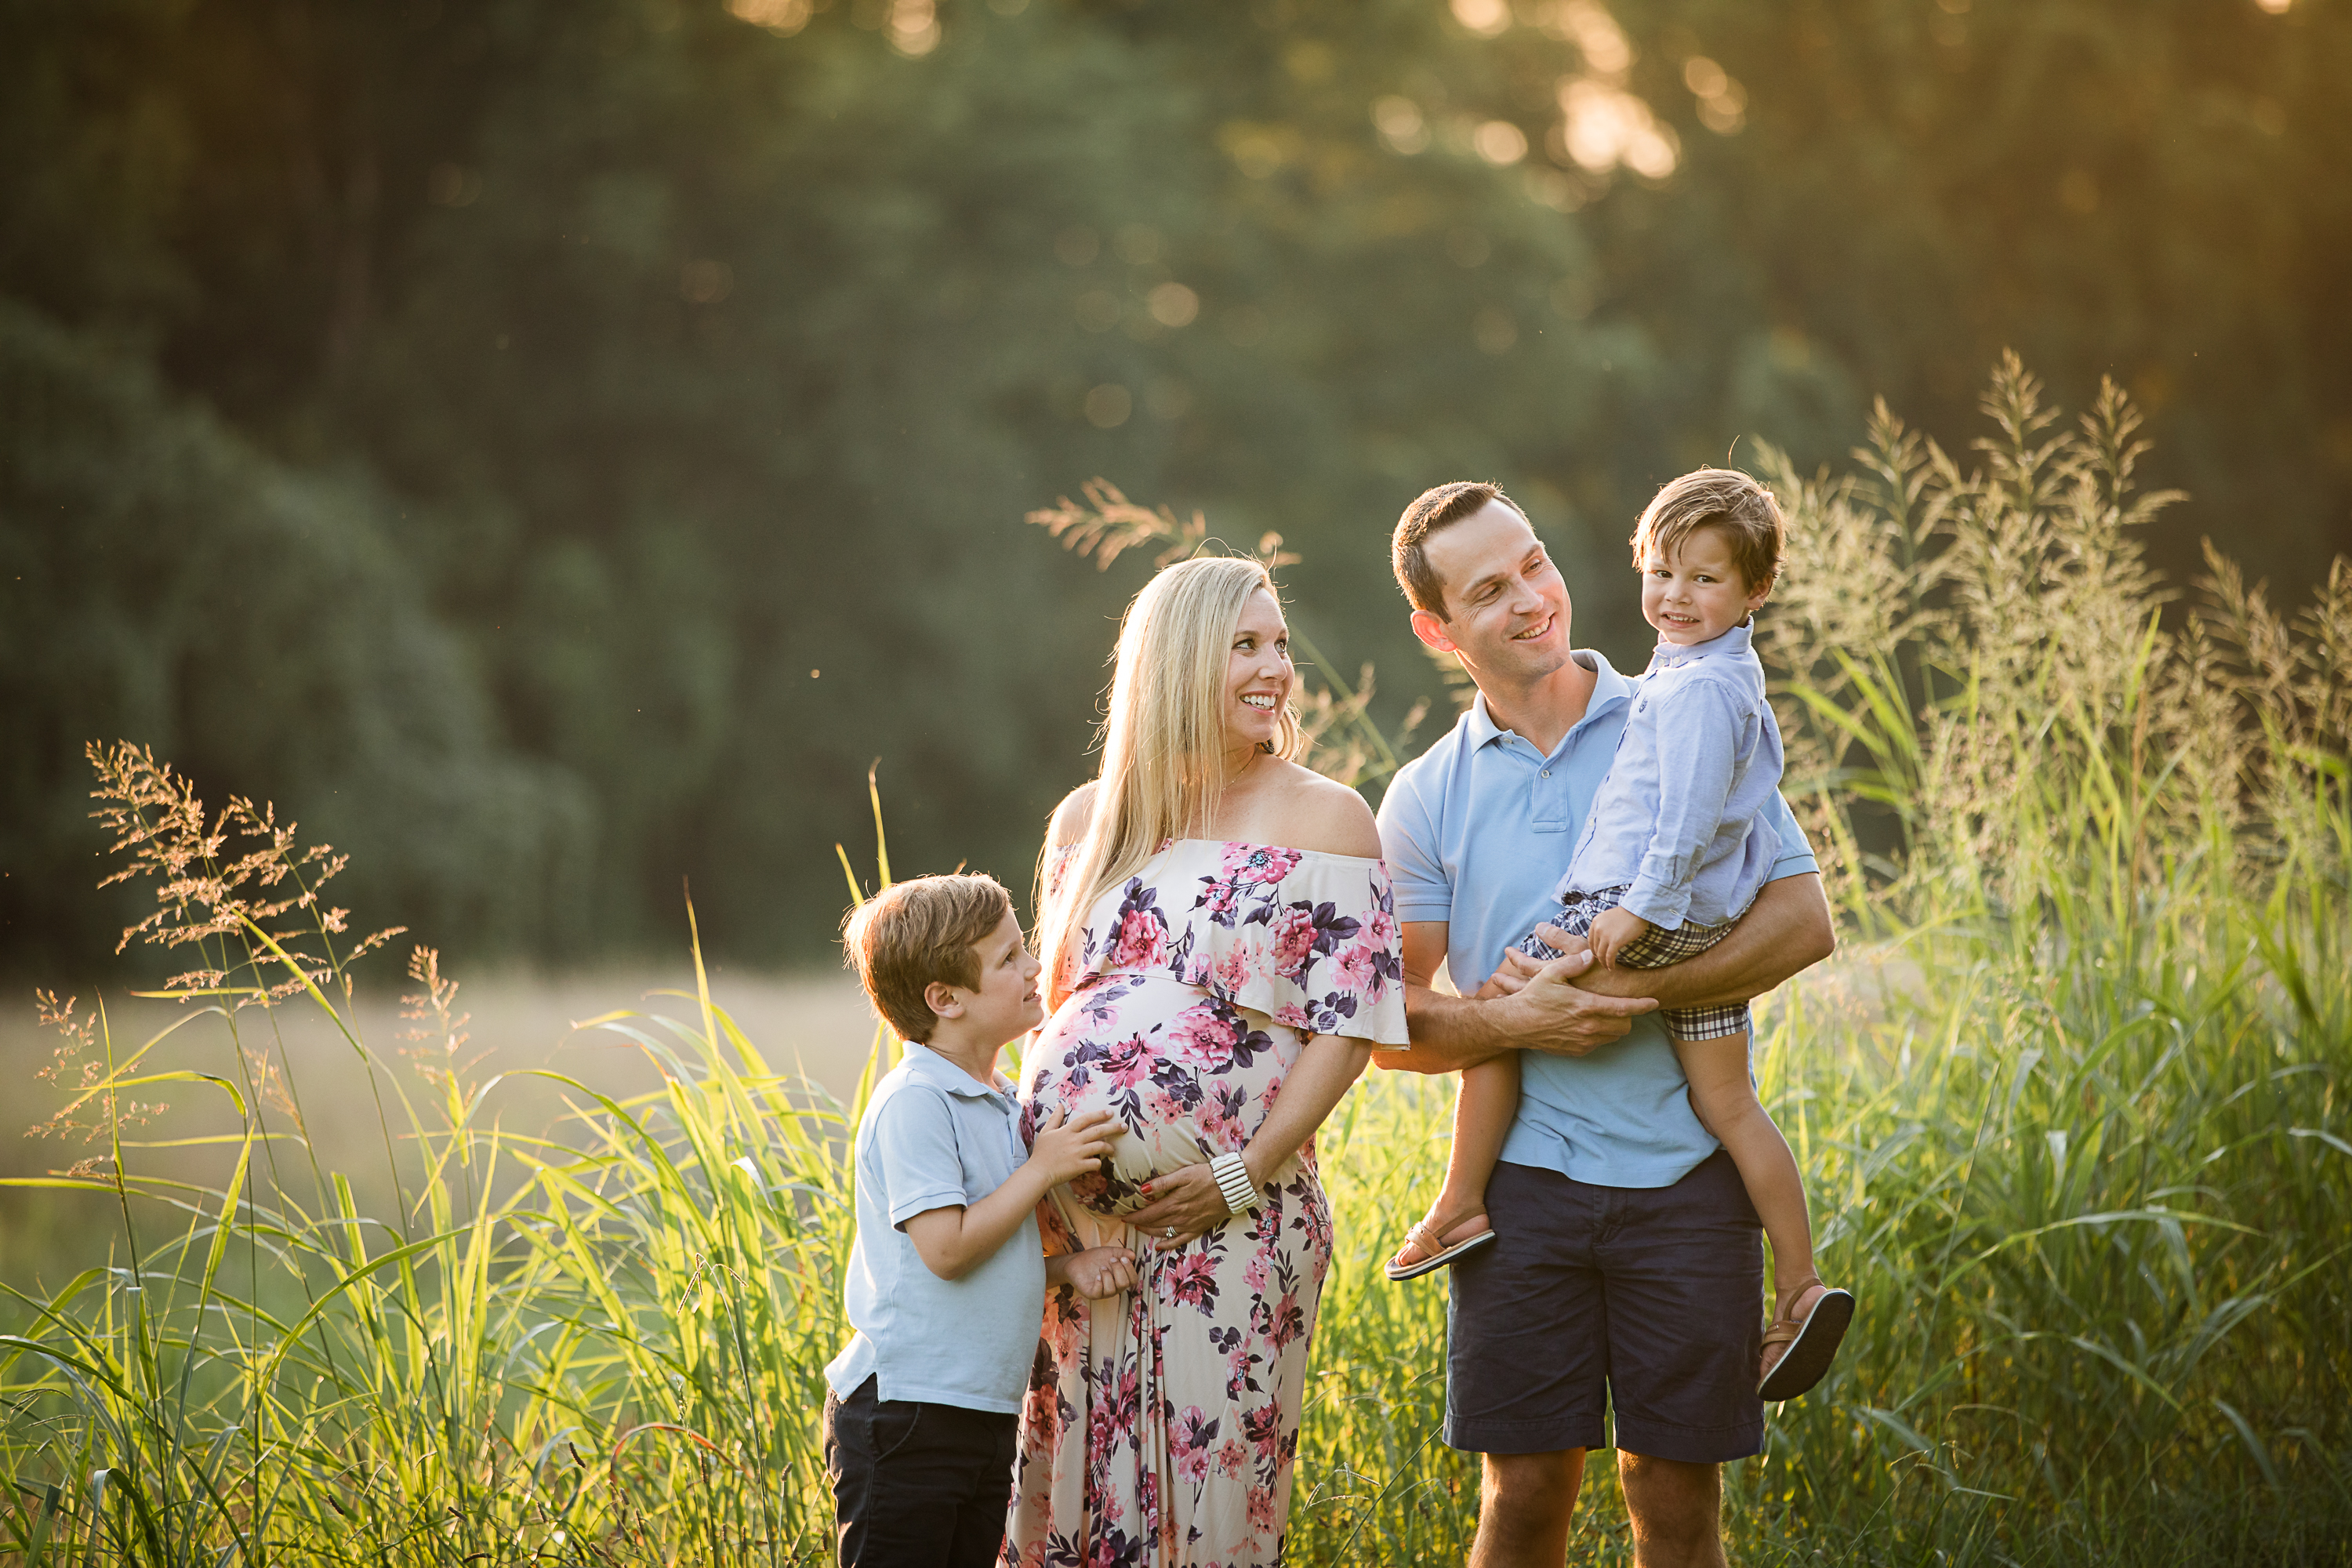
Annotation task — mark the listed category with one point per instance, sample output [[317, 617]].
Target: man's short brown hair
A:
[[912, 933], [1441, 506], [1717, 497]]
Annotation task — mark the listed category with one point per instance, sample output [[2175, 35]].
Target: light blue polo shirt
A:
[[1477, 831], [933, 1137]]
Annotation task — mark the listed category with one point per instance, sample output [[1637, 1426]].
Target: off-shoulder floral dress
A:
[[1160, 1424]]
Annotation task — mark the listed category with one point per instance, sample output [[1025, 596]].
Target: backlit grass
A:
[[2071, 1102]]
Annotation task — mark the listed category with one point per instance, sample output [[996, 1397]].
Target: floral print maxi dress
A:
[[1160, 1424]]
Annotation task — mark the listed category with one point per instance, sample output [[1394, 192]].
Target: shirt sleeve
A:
[[1796, 857], [1408, 844], [1695, 779], [915, 1154]]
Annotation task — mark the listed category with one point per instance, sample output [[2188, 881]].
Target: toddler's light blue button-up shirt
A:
[[934, 1137], [1476, 832], [1675, 823]]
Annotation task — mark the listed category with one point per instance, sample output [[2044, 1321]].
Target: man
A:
[[1626, 1279]]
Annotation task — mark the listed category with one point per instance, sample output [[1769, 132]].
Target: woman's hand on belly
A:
[[1183, 1206]]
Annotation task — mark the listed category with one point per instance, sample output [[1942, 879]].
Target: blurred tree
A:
[[160, 579], [1897, 190], [704, 355]]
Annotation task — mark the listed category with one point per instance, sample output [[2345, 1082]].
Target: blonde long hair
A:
[[1163, 736]]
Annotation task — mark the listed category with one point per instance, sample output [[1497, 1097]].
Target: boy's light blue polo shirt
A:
[[933, 1136], [1476, 832]]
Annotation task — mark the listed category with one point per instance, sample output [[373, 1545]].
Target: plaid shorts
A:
[[1655, 949]]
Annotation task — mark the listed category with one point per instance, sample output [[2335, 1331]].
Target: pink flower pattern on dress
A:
[[1357, 968], [1260, 863], [1142, 940], [1161, 1428], [1293, 942]]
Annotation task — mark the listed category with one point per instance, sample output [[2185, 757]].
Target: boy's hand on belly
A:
[[1100, 1271], [1067, 1148], [1612, 929]]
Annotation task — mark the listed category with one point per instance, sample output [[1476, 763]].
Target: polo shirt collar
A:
[[1609, 688], [927, 1064], [1738, 640]]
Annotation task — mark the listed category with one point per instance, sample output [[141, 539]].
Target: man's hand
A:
[[1612, 929], [1525, 1005], [1518, 968], [1550, 1012]]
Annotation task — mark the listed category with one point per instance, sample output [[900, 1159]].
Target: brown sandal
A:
[[1434, 1250], [1812, 1340]]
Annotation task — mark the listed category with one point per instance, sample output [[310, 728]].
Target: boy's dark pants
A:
[[918, 1486]]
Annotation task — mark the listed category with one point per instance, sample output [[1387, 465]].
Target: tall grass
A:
[[606, 1348], [2072, 1103]]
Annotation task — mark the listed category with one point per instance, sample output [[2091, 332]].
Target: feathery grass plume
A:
[[74, 1069], [1106, 525], [157, 820]]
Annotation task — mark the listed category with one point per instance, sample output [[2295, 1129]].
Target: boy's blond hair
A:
[[1717, 497], [912, 933]]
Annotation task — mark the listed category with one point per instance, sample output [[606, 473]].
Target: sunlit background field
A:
[[559, 454]]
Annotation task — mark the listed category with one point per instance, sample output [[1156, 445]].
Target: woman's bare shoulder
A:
[[1071, 817], [1319, 813]]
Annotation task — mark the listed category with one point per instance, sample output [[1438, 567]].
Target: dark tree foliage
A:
[[642, 402], [253, 622]]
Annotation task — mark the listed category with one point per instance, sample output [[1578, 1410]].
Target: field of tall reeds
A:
[[2070, 1102]]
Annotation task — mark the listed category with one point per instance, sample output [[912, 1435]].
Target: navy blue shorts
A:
[[1641, 1303]]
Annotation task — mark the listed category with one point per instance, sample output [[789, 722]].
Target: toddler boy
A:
[[947, 1284]]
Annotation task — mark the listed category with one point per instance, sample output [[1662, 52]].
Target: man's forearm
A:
[[1548, 1015], [1449, 1033], [1787, 929]]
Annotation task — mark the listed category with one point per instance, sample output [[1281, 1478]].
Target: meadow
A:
[[2070, 1102]]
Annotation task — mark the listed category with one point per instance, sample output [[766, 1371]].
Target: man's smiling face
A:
[[1506, 605]]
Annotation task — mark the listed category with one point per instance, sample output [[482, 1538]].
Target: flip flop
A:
[[1812, 1340], [1435, 1251]]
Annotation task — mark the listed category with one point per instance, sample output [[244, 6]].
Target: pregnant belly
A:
[[1193, 1087]]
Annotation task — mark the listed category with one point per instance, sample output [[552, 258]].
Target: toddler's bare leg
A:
[[1726, 1101], [1482, 1115]]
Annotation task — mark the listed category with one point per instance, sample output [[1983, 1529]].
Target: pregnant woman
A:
[[1222, 954]]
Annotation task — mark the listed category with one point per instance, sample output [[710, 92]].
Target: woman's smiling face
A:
[[1258, 673]]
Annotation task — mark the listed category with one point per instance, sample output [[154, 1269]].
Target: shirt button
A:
[[1547, 772]]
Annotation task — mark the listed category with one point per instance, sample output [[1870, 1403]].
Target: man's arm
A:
[[1544, 1011], [1787, 929]]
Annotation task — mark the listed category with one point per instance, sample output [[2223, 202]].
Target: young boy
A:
[[947, 1281], [1667, 862]]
